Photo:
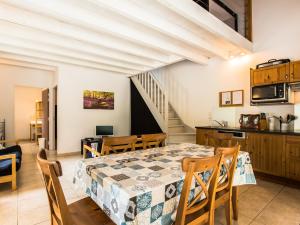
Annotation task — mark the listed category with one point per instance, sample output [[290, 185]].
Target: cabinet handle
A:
[[286, 76]]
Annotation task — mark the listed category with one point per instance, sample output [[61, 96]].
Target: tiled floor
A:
[[265, 203]]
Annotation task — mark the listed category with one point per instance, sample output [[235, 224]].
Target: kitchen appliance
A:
[[272, 62], [249, 121], [271, 94], [235, 134]]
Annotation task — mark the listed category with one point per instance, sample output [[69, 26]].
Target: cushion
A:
[[16, 149], [5, 166]]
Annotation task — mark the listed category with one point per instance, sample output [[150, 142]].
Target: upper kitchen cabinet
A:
[[295, 71], [270, 75]]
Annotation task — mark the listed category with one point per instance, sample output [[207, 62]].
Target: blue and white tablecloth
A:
[[143, 187]]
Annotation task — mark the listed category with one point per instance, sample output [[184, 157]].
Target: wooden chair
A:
[[10, 162], [224, 195], [82, 212], [153, 140], [117, 144], [218, 140], [196, 211]]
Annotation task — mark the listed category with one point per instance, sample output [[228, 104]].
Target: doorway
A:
[[28, 113]]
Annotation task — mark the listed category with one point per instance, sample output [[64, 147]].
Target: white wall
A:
[[193, 89], [12, 76], [25, 100], [74, 122]]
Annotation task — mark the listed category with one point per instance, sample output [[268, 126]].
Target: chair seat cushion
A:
[[87, 212], [16, 149], [5, 166]]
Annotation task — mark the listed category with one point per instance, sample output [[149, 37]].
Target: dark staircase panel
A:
[[142, 120]]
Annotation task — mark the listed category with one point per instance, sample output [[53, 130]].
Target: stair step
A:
[[179, 125], [176, 129], [181, 138], [178, 134], [174, 121]]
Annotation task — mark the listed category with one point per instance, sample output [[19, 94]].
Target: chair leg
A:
[[228, 211], [235, 193], [14, 183]]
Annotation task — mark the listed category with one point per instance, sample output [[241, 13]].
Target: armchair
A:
[[10, 163]]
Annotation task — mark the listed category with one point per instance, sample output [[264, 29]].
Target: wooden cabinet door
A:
[[283, 73], [270, 75], [253, 147], [293, 157], [272, 154], [257, 77], [201, 136], [295, 71], [267, 153]]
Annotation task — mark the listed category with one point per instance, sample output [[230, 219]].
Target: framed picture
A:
[[238, 97], [231, 98], [98, 100]]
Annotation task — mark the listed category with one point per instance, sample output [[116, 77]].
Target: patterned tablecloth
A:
[[143, 187]]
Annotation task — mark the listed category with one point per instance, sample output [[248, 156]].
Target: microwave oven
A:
[[271, 94]]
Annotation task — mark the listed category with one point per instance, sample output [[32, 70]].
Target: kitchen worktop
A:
[[238, 129]]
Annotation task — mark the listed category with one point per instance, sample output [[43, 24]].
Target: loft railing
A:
[[154, 95], [236, 14]]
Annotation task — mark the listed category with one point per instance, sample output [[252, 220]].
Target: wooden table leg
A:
[[235, 193]]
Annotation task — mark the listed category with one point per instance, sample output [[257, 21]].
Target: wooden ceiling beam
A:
[[38, 36], [62, 59], [49, 25], [21, 43], [87, 16], [160, 23]]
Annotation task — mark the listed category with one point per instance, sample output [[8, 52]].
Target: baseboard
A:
[[278, 180]]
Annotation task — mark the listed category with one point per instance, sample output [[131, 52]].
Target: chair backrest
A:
[[117, 144], [51, 170], [153, 140], [205, 172], [228, 166]]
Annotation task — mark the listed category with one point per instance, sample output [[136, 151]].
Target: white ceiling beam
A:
[[193, 12], [62, 59], [11, 60], [18, 42], [46, 24], [31, 34], [160, 23], [79, 13]]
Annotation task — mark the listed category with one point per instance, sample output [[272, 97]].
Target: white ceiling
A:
[[126, 36]]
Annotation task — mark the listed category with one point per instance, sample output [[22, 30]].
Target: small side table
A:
[[90, 141]]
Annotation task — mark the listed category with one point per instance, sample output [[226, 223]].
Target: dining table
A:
[[144, 186]]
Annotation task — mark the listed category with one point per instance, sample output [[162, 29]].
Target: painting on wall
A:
[[98, 100]]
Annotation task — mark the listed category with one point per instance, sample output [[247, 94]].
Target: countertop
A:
[[238, 129]]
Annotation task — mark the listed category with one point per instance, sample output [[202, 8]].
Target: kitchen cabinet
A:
[[201, 136], [293, 157], [270, 75], [267, 152], [295, 71]]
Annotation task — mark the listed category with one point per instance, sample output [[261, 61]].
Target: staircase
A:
[[178, 132], [156, 99]]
